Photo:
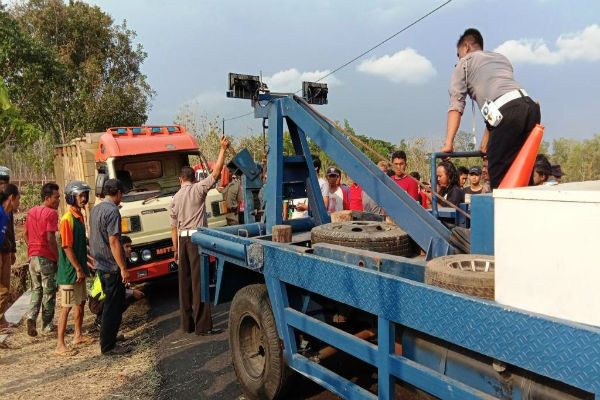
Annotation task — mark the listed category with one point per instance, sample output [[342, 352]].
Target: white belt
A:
[[188, 232], [513, 94]]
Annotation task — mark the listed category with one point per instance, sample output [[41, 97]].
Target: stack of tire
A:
[[381, 237]]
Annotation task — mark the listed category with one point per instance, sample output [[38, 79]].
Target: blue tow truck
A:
[[295, 304]]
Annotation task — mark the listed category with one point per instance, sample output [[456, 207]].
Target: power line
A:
[[384, 41], [364, 52]]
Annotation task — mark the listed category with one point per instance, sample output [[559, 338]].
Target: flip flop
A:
[[66, 353], [84, 340]]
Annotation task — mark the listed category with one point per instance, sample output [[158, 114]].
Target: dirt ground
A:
[[30, 370]]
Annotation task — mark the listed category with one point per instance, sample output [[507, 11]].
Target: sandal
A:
[[84, 340], [65, 353]]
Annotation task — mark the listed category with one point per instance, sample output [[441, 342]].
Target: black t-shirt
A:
[[453, 194], [468, 190]]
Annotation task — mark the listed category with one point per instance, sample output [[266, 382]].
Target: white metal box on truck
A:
[[546, 244]]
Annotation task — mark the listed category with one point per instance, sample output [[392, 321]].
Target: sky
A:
[[398, 91]]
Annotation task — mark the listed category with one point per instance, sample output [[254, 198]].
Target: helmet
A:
[[73, 189], [4, 173]]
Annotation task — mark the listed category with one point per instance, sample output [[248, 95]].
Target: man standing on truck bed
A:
[[105, 246], [188, 212], [509, 113]]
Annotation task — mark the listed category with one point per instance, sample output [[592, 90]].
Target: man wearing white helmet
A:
[[72, 265]]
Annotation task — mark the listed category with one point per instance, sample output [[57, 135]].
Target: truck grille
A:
[[161, 250]]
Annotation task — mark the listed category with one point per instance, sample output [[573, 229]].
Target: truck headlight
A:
[[134, 257], [131, 224], [146, 255]]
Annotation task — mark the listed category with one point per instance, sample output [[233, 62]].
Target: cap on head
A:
[[333, 171], [475, 170], [557, 170]]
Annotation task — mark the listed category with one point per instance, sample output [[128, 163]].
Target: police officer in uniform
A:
[[487, 77]]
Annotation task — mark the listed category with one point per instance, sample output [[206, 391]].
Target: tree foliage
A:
[[71, 70]]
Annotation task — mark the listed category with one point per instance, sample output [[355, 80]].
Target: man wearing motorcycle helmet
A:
[[72, 265]]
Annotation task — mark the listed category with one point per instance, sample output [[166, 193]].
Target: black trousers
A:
[[519, 116], [112, 311], [195, 315]]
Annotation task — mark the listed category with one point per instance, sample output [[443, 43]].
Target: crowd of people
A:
[[57, 250], [454, 184]]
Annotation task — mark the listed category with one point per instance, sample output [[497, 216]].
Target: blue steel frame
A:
[[561, 350], [302, 120], [390, 288]]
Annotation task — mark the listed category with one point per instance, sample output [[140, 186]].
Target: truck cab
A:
[[147, 160]]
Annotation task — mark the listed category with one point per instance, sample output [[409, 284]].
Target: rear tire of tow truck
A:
[[256, 350]]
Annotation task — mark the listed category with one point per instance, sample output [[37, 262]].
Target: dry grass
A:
[[30, 370]]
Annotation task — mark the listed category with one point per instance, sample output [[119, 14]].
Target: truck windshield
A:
[[148, 176]]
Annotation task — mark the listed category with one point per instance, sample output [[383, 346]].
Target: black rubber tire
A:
[[381, 237], [256, 350], [463, 273]]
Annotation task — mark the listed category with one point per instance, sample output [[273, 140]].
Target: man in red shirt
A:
[[41, 226], [355, 196], [400, 177]]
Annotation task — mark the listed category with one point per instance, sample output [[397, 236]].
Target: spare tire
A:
[[381, 237], [471, 274]]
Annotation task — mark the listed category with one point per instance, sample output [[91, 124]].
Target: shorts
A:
[[73, 295]]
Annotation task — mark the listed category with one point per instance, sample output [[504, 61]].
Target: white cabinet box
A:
[[547, 250]]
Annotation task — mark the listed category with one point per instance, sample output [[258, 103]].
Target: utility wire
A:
[[364, 52], [383, 41]]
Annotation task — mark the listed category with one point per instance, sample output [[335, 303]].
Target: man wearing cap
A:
[[509, 112], [475, 179], [8, 251], [188, 212], [338, 198], [557, 173]]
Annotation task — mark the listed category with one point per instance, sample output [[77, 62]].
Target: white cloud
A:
[[579, 46], [290, 81], [406, 66]]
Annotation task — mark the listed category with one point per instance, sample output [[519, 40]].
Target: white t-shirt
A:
[[336, 200], [324, 186], [299, 214]]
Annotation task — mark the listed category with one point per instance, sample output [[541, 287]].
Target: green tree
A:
[[88, 73]]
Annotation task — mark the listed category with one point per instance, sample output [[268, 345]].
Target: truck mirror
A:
[[100, 179]]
